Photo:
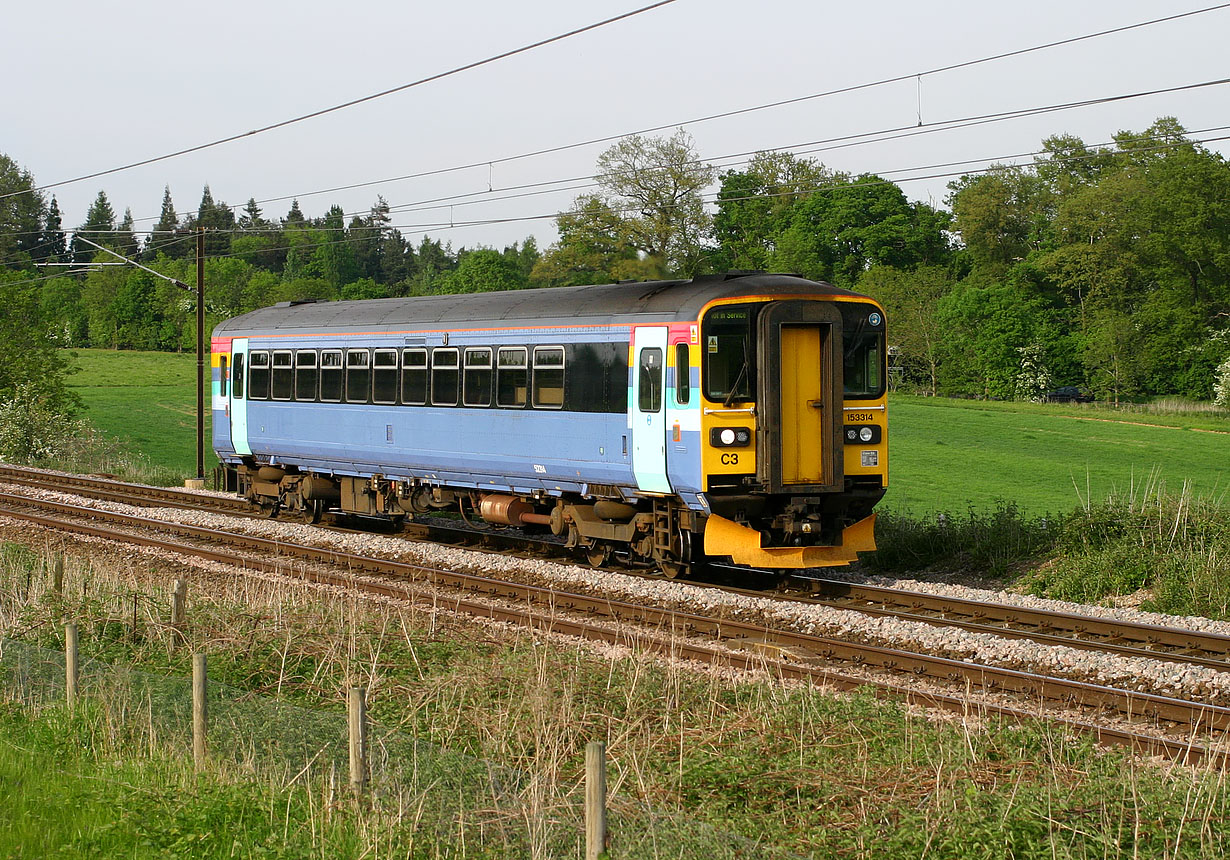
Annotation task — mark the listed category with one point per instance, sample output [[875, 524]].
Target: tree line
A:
[[1106, 267]]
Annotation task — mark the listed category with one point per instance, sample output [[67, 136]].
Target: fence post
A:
[[179, 598], [200, 712], [57, 574], [595, 799], [71, 663], [358, 740]]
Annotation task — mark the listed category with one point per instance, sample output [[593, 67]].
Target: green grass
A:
[[146, 400], [786, 767], [950, 455]]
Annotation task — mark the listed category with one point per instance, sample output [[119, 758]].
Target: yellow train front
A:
[[794, 424], [736, 416]]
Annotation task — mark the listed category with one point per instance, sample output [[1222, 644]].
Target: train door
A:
[[647, 408], [800, 443], [237, 402]]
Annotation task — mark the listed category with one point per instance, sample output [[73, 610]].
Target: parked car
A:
[[1069, 394]]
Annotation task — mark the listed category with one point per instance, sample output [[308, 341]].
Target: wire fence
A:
[[448, 797]]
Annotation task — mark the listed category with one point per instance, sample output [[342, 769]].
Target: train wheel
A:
[[674, 569], [311, 512], [598, 555]]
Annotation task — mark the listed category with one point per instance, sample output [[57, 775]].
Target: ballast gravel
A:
[[1143, 675]]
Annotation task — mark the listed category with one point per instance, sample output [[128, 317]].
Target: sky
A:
[[95, 86]]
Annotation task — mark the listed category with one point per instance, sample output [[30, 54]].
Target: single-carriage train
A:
[[738, 416]]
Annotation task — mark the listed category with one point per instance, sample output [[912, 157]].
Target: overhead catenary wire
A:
[[490, 162], [841, 142], [351, 103], [745, 110]]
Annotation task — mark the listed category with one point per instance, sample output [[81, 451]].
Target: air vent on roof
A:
[[295, 302]]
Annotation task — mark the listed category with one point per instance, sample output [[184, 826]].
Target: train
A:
[[740, 417]]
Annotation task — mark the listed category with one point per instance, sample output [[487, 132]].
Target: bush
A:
[[1221, 385], [34, 432]]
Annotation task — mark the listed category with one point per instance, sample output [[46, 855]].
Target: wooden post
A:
[[200, 712], [179, 595], [71, 663], [358, 740], [595, 799], [57, 574]]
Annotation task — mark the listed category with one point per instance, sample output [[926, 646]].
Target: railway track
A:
[[1047, 627], [1171, 723]]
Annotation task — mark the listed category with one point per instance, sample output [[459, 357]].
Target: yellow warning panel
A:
[[742, 544]]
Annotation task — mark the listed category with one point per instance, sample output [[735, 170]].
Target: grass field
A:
[[953, 454], [944, 455], [147, 400]]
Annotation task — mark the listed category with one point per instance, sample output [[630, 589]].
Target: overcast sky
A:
[[94, 86]]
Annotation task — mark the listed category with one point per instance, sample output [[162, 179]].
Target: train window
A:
[[305, 374], [283, 374], [511, 376], [444, 381], [331, 375], [384, 376], [237, 381], [414, 377], [222, 375], [730, 369], [650, 375], [258, 376], [549, 377], [863, 347], [358, 375], [683, 374], [476, 385]]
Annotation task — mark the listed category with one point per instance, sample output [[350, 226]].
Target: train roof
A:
[[597, 304]]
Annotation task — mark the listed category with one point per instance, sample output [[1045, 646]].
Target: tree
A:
[[650, 209], [53, 247], [910, 301], [755, 204], [840, 232], [32, 362], [167, 238], [21, 215], [484, 270], [99, 228], [218, 219]]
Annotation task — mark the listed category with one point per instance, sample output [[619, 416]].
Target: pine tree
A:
[[52, 245], [167, 238], [99, 228]]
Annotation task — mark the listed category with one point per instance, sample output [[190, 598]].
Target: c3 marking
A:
[[730, 459]]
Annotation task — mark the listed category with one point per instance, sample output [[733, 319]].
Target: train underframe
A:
[[783, 531]]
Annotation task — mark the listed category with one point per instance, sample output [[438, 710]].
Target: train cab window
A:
[[511, 376], [549, 377], [358, 375], [305, 374], [729, 364], [414, 377], [863, 348], [384, 376], [444, 378], [237, 378], [331, 375], [476, 384], [222, 376], [258, 376], [283, 374], [683, 374], [650, 376]]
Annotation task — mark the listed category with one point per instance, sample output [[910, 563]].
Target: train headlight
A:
[[730, 437], [862, 434]]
